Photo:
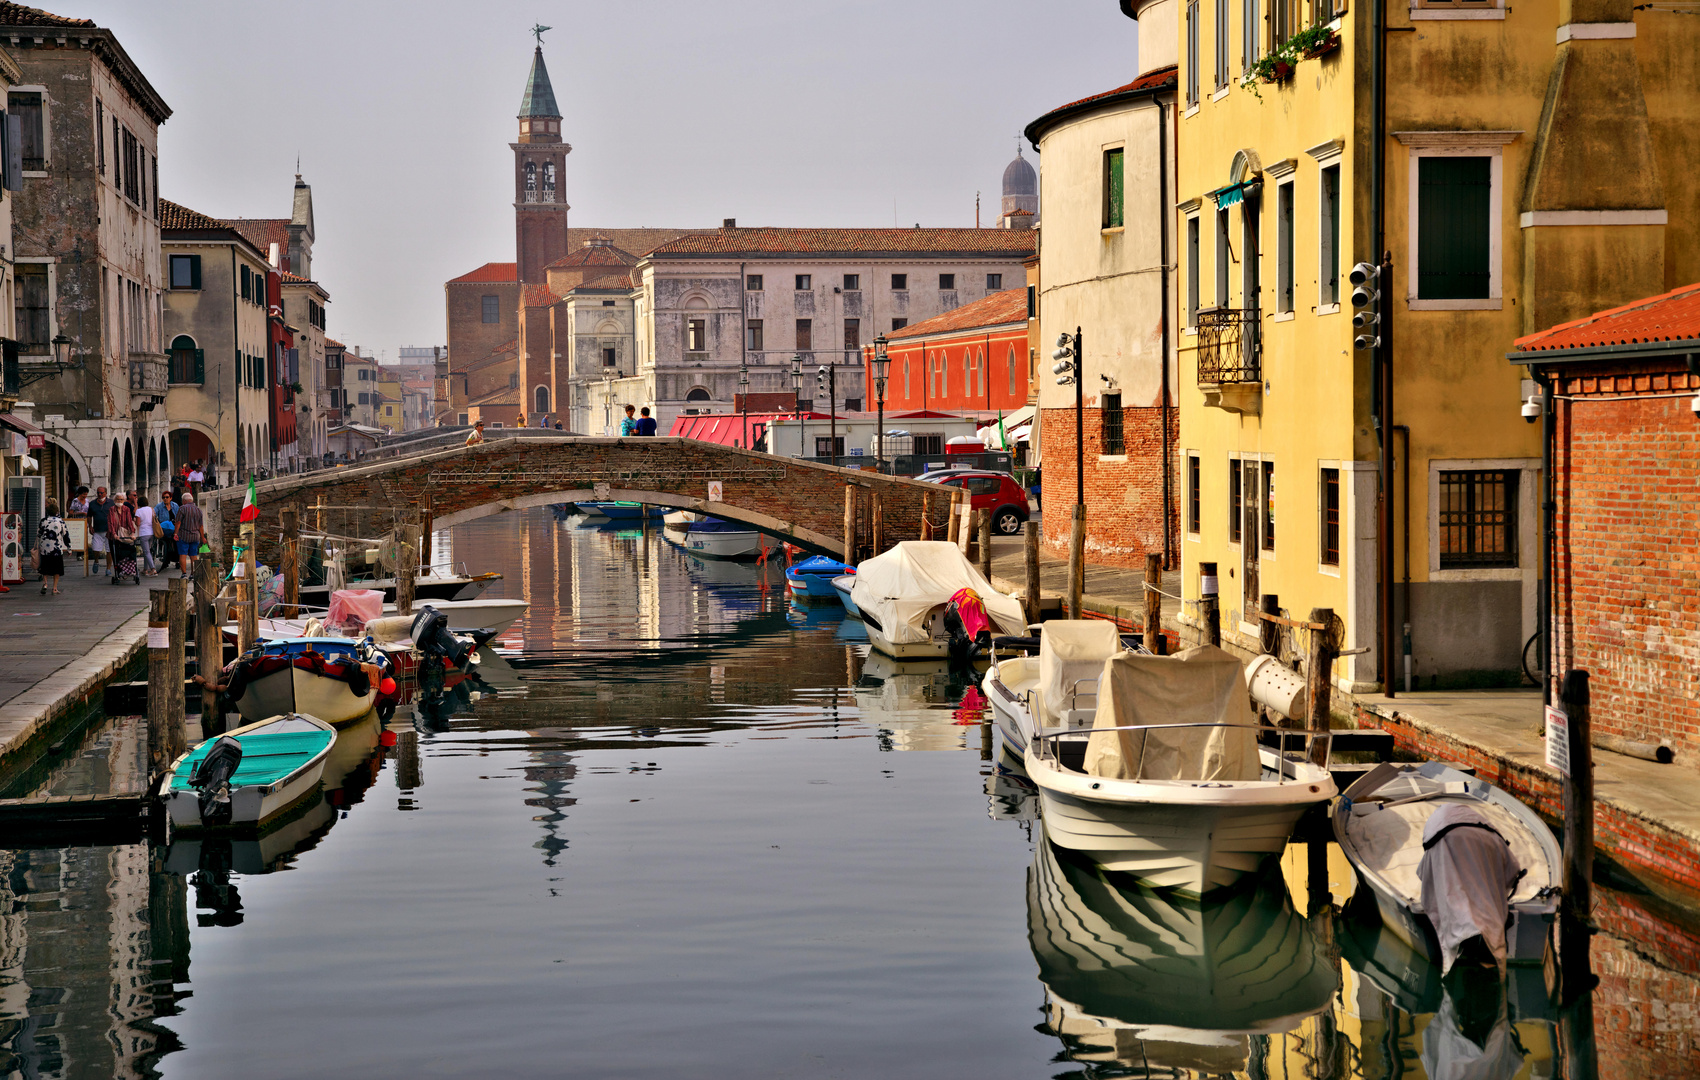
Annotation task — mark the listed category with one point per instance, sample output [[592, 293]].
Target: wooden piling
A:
[[1209, 604], [159, 682], [878, 522], [953, 523], [1153, 602], [291, 521], [1077, 562], [926, 516], [405, 575], [209, 641], [427, 525], [1575, 922], [319, 514], [1030, 541], [248, 618], [1268, 632], [177, 617], [1319, 679], [985, 533], [850, 524]]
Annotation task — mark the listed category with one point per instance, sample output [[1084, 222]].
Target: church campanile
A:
[[540, 201]]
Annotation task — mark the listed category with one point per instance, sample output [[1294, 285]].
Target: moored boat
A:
[[921, 595], [249, 775], [842, 584], [717, 538], [1169, 783], [622, 511], [336, 680], [429, 585], [811, 578], [1060, 685]]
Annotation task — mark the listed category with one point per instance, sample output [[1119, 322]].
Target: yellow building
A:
[[388, 403], [1525, 178]]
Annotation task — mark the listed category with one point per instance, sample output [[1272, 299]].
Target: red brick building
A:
[[1623, 387], [971, 359]]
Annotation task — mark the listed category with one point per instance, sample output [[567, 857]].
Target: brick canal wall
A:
[[1628, 550], [791, 498], [1124, 492]]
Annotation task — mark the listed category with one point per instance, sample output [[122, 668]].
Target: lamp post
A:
[[880, 362], [797, 401], [607, 403], [744, 394], [827, 378]]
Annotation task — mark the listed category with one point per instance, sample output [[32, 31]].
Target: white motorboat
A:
[[334, 679], [679, 520], [1151, 979], [906, 596], [431, 584], [842, 585], [715, 538], [250, 774], [1381, 823], [494, 614], [1169, 784], [1060, 684]]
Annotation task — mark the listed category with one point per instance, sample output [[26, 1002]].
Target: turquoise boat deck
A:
[[266, 759]]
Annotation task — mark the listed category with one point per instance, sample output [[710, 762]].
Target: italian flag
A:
[[250, 505]]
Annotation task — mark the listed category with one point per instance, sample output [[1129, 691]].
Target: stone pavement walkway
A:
[[1111, 591], [57, 651]]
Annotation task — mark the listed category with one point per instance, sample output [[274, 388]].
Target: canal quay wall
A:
[[794, 498]]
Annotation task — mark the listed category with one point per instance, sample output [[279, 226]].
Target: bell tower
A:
[[540, 201]]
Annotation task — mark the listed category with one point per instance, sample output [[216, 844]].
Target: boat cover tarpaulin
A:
[[355, 607], [1071, 650], [1468, 872], [902, 586], [1204, 685]]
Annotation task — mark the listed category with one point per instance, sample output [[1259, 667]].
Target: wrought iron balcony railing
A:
[[1229, 346]]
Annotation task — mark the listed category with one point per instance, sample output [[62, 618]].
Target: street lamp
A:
[[607, 403], [826, 377], [744, 394], [880, 362], [797, 400]]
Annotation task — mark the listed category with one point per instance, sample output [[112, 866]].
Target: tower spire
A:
[[539, 100]]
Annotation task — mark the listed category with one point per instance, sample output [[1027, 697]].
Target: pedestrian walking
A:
[[629, 426], [100, 509], [121, 532], [52, 537], [646, 422], [477, 435], [191, 531], [144, 533], [80, 502], [165, 528]]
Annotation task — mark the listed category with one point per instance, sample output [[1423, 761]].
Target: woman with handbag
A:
[[121, 529], [52, 537]]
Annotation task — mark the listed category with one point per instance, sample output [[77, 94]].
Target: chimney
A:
[[729, 223], [272, 258]]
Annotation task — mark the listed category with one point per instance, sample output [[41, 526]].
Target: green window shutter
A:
[[194, 271], [1112, 189], [200, 365], [1453, 213]]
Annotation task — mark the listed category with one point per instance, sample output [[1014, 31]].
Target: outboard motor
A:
[[211, 779], [967, 629], [430, 635]]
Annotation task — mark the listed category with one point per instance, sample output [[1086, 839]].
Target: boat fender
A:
[[211, 778], [359, 682]]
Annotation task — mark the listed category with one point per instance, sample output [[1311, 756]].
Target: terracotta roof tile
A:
[[1008, 306], [765, 241], [264, 232], [20, 15], [173, 216], [540, 296], [500, 353], [611, 281], [293, 279], [1151, 80], [489, 273], [595, 254], [1672, 316]]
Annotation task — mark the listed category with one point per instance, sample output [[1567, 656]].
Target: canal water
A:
[[682, 828]]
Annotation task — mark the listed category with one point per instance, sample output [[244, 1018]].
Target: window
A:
[[1012, 390], [1283, 19], [898, 324], [1478, 519], [131, 156], [805, 335], [492, 309], [854, 404], [1268, 506], [1192, 270], [1222, 256], [1222, 44], [99, 136], [947, 282], [1330, 506], [1457, 5], [530, 178], [247, 287], [994, 282], [899, 282], [1191, 53], [1453, 227], [1111, 422], [540, 400], [186, 364], [752, 335], [31, 307], [1251, 24], [1194, 493], [925, 444], [513, 381], [1112, 189], [1032, 302], [185, 271], [826, 446], [1284, 249], [852, 282], [1236, 504], [549, 178], [610, 356], [804, 282], [753, 283], [32, 140], [1329, 261], [696, 335], [852, 334]]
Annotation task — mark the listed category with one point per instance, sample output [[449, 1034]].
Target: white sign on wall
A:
[[12, 548], [716, 491], [1558, 740]]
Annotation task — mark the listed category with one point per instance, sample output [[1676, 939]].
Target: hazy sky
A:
[[775, 112]]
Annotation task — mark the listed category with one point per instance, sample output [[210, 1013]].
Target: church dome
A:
[[1020, 187]]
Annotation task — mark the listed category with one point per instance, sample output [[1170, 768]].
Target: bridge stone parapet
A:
[[798, 500]]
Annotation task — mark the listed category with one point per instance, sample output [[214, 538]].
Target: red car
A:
[[994, 491]]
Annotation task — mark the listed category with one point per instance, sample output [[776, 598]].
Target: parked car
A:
[[994, 491]]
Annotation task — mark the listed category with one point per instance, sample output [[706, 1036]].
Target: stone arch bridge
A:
[[796, 500]]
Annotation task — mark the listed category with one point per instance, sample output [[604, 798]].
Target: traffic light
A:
[[1067, 366], [1366, 295]]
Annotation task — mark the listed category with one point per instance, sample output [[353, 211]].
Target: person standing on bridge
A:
[[477, 435], [646, 423], [629, 426]]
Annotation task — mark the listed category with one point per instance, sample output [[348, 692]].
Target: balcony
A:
[[149, 376], [547, 195], [1229, 354]]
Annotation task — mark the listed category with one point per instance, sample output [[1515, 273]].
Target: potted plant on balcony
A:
[[1315, 41], [1273, 67]]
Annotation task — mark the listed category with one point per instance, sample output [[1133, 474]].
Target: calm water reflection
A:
[[680, 829]]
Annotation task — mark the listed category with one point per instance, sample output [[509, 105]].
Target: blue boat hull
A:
[[811, 587]]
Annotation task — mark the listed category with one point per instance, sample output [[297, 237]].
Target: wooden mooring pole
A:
[[1575, 911], [984, 531], [405, 577], [209, 642], [926, 516], [850, 524], [249, 619], [177, 616], [879, 521], [1077, 562], [165, 684], [1319, 680], [1153, 603], [953, 524], [291, 521], [1030, 540], [1209, 605]]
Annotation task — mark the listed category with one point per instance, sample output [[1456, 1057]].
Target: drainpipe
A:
[[1545, 597], [1382, 357], [1163, 322], [1405, 501], [236, 362]]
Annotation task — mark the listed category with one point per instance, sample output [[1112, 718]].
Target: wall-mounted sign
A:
[[1558, 740], [716, 491], [12, 548]]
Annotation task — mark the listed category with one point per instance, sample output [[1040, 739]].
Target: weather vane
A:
[[537, 32]]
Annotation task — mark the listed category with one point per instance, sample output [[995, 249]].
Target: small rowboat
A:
[[248, 776], [842, 584], [334, 679], [622, 511], [811, 579]]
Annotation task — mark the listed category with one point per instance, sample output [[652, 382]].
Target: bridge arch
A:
[[767, 523]]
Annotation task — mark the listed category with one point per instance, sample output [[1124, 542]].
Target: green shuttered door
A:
[[1452, 227]]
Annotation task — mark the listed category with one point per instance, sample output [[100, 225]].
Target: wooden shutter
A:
[[200, 365], [194, 271], [14, 153], [1453, 242], [1112, 188]]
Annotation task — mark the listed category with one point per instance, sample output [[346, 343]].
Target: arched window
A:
[[116, 472], [1012, 371], [129, 467], [540, 400], [186, 362], [907, 392], [549, 176], [531, 176], [698, 394]]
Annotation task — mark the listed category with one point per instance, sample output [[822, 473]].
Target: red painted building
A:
[[278, 376], [970, 359], [1621, 392]]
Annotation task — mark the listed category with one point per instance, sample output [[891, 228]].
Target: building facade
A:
[[973, 359], [87, 259]]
